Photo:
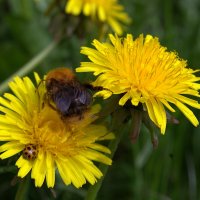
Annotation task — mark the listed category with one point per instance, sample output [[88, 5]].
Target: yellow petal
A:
[[24, 165], [188, 101], [39, 169], [63, 171], [101, 148], [94, 155], [124, 99], [188, 113], [50, 174]]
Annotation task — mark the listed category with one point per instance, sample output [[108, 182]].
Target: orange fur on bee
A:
[[61, 74]]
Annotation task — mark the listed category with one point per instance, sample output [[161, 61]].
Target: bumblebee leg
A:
[[95, 88], [48, 102]]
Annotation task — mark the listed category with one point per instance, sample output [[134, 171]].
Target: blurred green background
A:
[[172, 171]]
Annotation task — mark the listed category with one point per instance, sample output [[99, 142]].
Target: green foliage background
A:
[[138, 172]]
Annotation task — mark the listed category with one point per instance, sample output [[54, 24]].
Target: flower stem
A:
[[93, 190], [23, 189], [29, 66], [6, 169], [119, 127]]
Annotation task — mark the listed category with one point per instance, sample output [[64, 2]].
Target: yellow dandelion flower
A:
[[144, 72], [44, 142], [108, 11]]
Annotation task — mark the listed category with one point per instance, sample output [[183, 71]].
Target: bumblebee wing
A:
[[63, 102], [84, 97]]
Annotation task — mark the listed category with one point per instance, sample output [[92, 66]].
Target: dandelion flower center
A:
[[144, 72], [45, 141]]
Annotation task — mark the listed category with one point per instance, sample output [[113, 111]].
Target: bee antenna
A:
[[37, 87]]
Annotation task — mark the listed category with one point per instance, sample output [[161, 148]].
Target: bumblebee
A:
[[71, 98]]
